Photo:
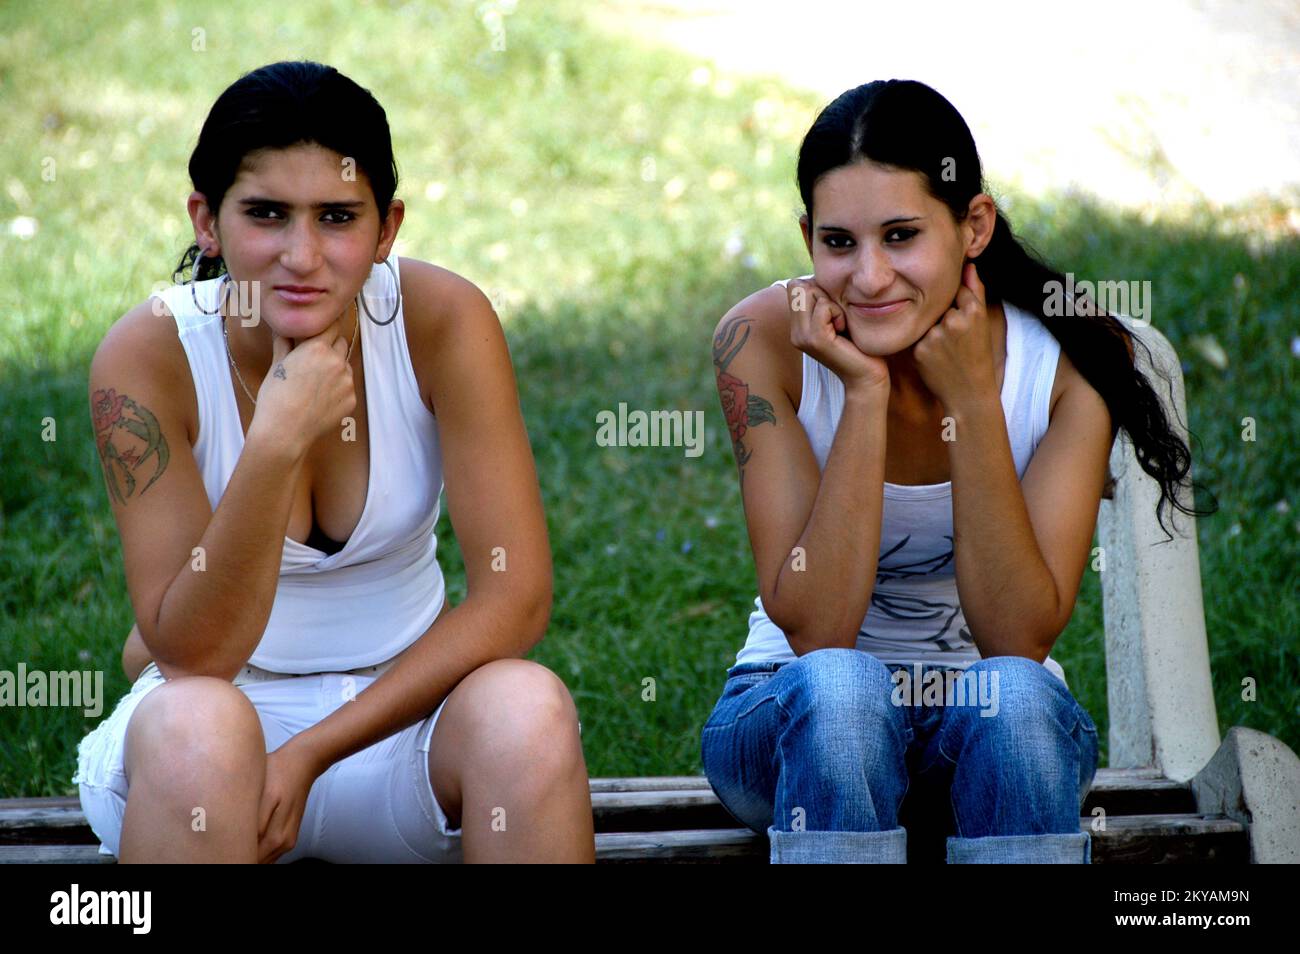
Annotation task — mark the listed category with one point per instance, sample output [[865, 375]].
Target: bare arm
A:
[[135, 654], [201, 583], [842, 536], [214, 613], [496, 512], [1020, 547], [815, 535]]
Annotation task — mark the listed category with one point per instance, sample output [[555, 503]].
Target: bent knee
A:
[[193, 718], [1019, 691], [840, 678], [518, 702]]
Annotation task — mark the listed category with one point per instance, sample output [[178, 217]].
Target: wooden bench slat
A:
[[660, 783], [626, 810], [41, 817], [1149, 818], [1129, 839], [1134, 839], [712, 844], [52, 801], [1170, 839], [53, 855]]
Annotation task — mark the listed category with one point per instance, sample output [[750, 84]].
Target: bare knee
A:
[[191, 726], [521, 715]]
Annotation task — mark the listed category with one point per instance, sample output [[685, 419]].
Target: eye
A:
[[256, 212], [830, 241], [908, 235], [347, 216]]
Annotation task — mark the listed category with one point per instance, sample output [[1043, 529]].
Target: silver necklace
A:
[[225, 335]]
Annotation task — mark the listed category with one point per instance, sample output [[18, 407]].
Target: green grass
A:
[[609, 276]]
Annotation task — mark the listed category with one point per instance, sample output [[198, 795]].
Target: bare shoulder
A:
[[442, 311], [768, 309], [437, 297], [437, 301], [143, 345], [762, 318], [1072, 389]]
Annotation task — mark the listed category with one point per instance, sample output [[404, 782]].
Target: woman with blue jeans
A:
[[922, 448], [1017, 777]]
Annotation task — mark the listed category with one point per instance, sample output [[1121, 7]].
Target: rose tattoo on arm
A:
[[742, 409], [127, 435]]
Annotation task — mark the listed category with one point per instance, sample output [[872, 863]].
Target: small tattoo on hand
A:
[[280, 372]]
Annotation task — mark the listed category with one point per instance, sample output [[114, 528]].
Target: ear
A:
[[981, 217], [388, 231], [804, 226], [204, 220]]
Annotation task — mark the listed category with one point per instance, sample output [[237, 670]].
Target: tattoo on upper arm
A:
[[127, 435], [742, 409]]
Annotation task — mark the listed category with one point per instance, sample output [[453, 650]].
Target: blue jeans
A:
[[819, 752]]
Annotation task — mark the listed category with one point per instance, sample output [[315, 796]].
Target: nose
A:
[[300, 254], [873, 273]]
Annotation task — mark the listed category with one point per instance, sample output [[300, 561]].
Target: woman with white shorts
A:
[[274, 435]]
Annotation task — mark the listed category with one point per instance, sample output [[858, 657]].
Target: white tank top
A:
[[915, 615], [384, 588]]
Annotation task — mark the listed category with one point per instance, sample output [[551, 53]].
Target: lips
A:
[[885, 308], [298, 294]]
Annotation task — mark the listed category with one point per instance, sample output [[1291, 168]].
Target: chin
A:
[[288, 330], [874, 341], [300, 322]]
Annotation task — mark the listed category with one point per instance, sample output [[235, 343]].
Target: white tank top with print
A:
[[915, 615]]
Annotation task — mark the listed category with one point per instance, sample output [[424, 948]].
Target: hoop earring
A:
[[396, 284], [223, 288]]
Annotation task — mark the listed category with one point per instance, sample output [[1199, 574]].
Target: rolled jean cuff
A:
[[838, 847], [1049, 849]]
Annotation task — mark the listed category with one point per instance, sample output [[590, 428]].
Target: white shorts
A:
[[376, 805]]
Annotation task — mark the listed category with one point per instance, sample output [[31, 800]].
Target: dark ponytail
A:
[[908, 125], [281, 105]]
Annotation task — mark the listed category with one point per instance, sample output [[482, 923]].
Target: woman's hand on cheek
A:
[[955, 357], [820, 329]]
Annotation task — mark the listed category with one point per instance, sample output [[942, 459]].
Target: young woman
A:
[[274, 437], [922, 451]]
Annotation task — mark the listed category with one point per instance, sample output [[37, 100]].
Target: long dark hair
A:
[[907, 125], [281, 105]]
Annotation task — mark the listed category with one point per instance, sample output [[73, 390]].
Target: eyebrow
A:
[[340, 204], [888, 222]]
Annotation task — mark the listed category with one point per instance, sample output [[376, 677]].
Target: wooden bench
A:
[[1174, 792], [679, 819]]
